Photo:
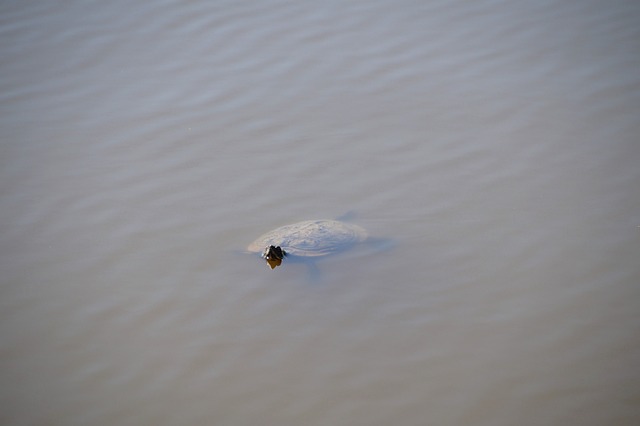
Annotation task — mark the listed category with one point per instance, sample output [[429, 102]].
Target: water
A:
[[144, 146]]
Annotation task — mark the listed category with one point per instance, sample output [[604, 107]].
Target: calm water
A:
[[495, 143]]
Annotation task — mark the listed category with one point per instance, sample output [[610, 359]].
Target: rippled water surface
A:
[[494, 144]]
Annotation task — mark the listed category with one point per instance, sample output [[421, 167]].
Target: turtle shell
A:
[[311, 238]]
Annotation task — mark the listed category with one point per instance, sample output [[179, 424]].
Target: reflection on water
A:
[[273, 262], [495, 143]]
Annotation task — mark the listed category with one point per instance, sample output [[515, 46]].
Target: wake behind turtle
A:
[[307, 239]]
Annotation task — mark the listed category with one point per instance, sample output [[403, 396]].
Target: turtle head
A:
[[274, 252], [274, 255]]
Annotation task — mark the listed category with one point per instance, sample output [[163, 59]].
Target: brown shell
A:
[[311, 238]]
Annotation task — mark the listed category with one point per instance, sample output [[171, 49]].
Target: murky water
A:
[[495, 144]]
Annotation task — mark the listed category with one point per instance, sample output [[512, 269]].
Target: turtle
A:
[[307, 239]]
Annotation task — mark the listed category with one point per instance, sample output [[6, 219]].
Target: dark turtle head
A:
[[274, 255]]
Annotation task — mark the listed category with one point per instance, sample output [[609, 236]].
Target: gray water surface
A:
[[144, 146]]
